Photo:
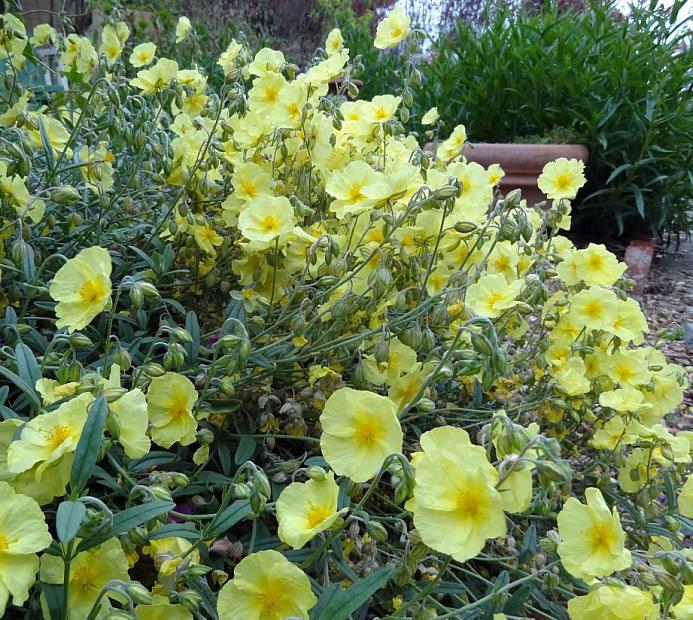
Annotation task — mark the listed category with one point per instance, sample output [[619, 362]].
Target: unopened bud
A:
[[316, 473]]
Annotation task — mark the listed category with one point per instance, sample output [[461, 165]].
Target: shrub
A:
[[621, 83], [265, 358]]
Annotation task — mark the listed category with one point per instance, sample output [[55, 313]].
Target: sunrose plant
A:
[[263, 357]]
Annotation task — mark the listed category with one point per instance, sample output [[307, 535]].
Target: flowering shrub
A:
[[265, 358]]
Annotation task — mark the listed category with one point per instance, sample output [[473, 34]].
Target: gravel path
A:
[[668, 298]]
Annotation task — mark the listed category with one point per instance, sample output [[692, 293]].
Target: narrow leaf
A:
[[245, 450], [342, 603], [228, 518], [87, 451]]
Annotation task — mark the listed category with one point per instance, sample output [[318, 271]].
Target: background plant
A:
[[620, 82]]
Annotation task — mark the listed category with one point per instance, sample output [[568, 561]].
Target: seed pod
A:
[[381, 352]]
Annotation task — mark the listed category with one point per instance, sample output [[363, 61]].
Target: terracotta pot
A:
[[522, 163]]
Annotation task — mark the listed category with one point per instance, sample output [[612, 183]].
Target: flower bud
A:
[[113, 394], [381, 352], [261, 484], [138, 593], [160, 492], [376, 531], [182, 335], [205, 436], [154, 370], [258, 501], [113, 425], [65, 194], [190, 600], [316, 473], [80, 341], [241, 491], [122, 358]]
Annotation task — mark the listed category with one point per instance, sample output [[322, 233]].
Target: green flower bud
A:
[[376, 531], [160, 492], [80, 341], [241, 491], [261, 484], [138, 593], [113, 425], [154, 370], [316, 473], [381, 352], [65, 194]]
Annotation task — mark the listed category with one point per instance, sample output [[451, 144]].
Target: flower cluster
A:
[[267, 358]]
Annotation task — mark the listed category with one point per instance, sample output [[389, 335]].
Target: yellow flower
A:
[[49, 437], [171, 555], [404, 388], [143, 54], [82, 288], [266, 586], [228, 60], [131, 412], [594, 308], [266, 61], [54, 479], [592, 540], [154, 80], [161, 609], [43, 34], [636, 472], [183, 28], [571, 378], [400, 359], [382, 108], [111, 45], [359, 431], [686, 498], [170, 400], [393, 29], [562, 178], [348, 185], [457, 512], [23, 533], [90, 571], [452, 147], [684, 608], [623, 400], [613, 602], [615, 432], [516, 489], [334, 42], [430, 117], [305, 509], [492, 295], [52, 391], [266, 218], [595, 266]]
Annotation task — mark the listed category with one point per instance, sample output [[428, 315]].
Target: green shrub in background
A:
[[622, 84]]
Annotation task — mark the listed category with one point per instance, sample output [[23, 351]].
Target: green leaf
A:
[[28, 390], [340, 604], [126, 520], [55, 601], [175, 530], [228, 518], [639, 200], [46, 142], [193, 348], [68, 519], [246, 448], [529, 545], [27, 366], [89, 445]]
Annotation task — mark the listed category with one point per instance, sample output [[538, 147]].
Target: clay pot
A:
[[522, 163]]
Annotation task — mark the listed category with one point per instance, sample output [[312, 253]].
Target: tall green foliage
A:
[[620, 83]]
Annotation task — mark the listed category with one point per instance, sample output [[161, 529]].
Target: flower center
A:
[[593, 309], [83, 577], [58, 435], [178, 408], [366, 433], [4, 543], [91, 291], [355, 192], [317, 515], [271, 603], [601, 537], [470, 503], [270, 224], [563, 181], [493, 298]]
